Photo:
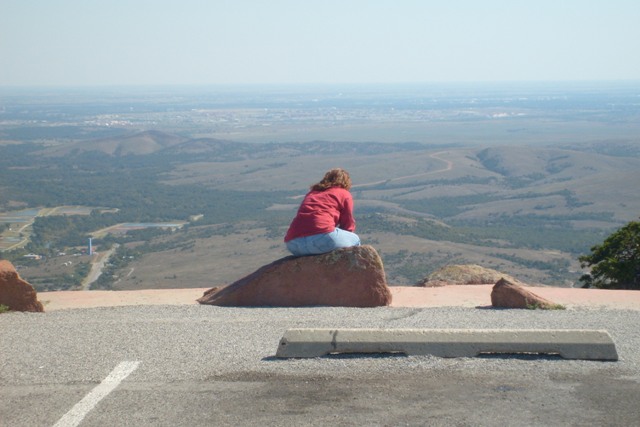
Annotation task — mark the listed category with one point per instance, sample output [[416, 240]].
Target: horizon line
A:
[[318, 84]]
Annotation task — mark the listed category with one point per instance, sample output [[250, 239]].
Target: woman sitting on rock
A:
[[324, 221]]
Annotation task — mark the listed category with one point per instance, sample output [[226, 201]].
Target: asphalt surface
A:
[[198, 365]]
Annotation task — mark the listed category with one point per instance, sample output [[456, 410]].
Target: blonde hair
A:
[[334, 178]]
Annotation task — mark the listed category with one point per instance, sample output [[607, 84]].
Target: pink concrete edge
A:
[[403, 296]]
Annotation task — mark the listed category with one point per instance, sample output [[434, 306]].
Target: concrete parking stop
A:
[[568, 343]]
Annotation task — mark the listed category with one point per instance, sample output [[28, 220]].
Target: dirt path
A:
[[448, 167], [104, 231]]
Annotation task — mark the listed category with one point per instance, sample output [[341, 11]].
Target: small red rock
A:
[[16, 293], [506, 294]]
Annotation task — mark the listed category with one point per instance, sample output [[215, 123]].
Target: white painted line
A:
[[82, 408]]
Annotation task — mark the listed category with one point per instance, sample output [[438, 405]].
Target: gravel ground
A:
[[202, 345], [204, 341]]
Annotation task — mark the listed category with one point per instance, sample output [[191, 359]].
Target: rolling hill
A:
[[527, 211]]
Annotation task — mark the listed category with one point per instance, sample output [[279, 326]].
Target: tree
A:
[[615, 264]]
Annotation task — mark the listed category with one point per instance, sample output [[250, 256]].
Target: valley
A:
[[521, 184]]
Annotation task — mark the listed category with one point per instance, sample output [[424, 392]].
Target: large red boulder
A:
[[506, 294], [16, 293], [349, 277]]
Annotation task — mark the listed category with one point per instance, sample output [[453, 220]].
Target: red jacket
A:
[[321, 212]]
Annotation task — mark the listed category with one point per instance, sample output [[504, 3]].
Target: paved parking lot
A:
[[200, 365]]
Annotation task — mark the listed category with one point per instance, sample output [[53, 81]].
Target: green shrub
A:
[[615, 264]]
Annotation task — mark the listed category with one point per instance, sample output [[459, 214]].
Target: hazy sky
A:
[[107, 42]]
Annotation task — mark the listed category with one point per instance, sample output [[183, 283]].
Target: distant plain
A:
[[520, 179]]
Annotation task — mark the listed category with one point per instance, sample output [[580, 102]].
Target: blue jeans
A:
[[323, 243]]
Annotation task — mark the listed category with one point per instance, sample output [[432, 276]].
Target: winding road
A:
[[97, 264], [27, 236], [448, 167]]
